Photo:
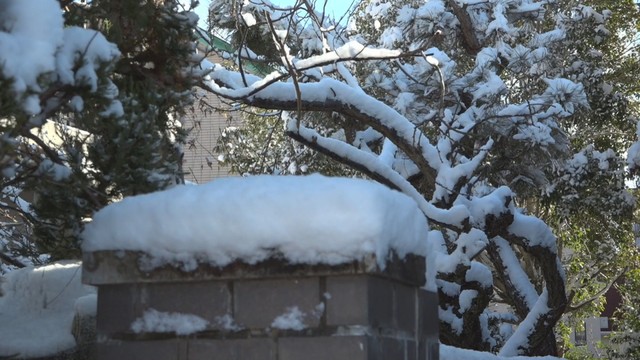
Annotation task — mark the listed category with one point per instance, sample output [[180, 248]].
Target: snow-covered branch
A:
[[370, 164], [332, 95]]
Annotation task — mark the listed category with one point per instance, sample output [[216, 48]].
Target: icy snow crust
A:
[[37, 309], [312, 219]]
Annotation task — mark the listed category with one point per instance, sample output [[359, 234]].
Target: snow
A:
[[431, 9], [633, 154], [448, 177], [377, 9], [227, 322], [521, 335], [391, 36], [516, 273], [452, 353], [500, 22], [566, 93], [534, 230], [162, 322], [56, 172], [493, 203], [38, 23], [53, 51], [249, 19], [480, 273], [308, 219], [114, 109], [468, 245], [327, 91], [447, 316], [437, 248], [455, 215], [544, 39], [350, 50], [37, 308], [493, 86], [293, 319], [466, 299], [538, 133], [91, 49], [86, 305]]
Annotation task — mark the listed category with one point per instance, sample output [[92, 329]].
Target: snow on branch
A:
[[350, 51], [519, 342], [371, 164], [332, 95], [513, 275]]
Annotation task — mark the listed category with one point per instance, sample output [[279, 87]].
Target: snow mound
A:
[[452, 353], [293, 319], [37, 307], [157, 321], [311, 219]]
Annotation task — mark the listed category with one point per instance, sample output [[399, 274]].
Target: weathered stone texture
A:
[[246, 349], [138, 350], [258, 302], [356, 312]]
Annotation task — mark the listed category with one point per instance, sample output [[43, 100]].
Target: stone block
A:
[[360, 300], [428, 321], [232, 349], [412, 349], [137, 350], [124, 267], [433, 349], [324, 348], [206, 299], [257, 303], [84, 332], [118, 307], [429, 349], [405, 299], [384, 348], [381, 303], [347, 303]]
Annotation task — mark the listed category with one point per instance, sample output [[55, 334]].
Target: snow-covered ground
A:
[[453, 353], [37, 307], [309, 219]]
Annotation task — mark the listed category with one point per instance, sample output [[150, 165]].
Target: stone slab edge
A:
[[122, 267]]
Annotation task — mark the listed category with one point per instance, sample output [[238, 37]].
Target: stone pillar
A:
[[271, 310]]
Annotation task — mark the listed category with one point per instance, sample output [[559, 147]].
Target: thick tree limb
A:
[[338, 97], [470, 41], [368, 163], [11, 261], [556, 299], [514, 296]]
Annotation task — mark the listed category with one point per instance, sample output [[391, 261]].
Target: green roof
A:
[[217, 44]]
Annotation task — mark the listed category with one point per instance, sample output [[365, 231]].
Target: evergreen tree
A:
[[116, 114]]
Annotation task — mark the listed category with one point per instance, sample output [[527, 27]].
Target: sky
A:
[[335, 8]]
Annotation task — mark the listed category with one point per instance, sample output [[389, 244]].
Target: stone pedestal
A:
[[353, 311]]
